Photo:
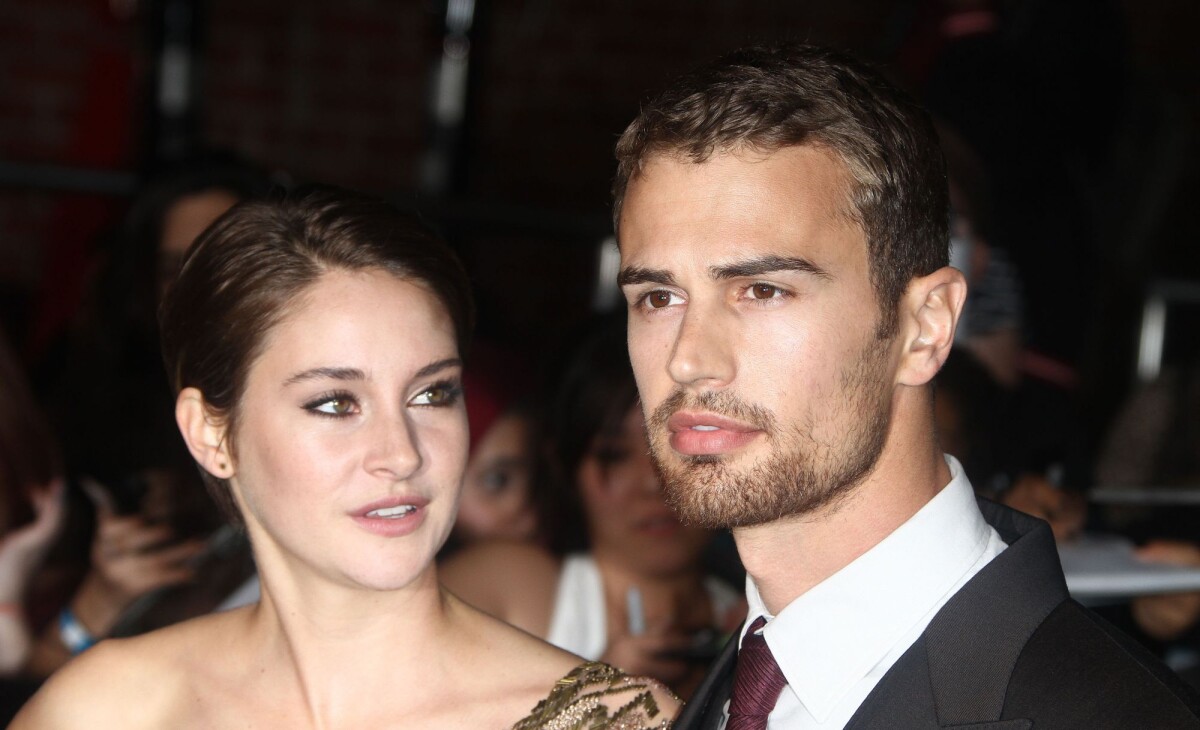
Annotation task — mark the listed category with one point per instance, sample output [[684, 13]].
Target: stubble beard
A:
[[800, 475]]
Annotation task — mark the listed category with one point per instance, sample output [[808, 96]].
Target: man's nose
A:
[[703, 353]]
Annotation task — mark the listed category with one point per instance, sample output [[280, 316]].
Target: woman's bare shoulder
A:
[[116, 684], [498, 640], [510, 672], [123, 683]]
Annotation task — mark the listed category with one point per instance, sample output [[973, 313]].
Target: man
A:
[[782, 221]]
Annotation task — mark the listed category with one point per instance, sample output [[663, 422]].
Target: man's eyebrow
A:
[[356, 374], [767, 265], [637, 275], [330, 373]]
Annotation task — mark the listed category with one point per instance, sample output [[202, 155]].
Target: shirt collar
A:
[[831, 637]]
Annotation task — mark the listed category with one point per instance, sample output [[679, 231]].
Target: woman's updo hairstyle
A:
[[243, 274]]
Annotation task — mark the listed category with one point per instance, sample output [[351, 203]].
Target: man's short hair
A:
[[765, 98]]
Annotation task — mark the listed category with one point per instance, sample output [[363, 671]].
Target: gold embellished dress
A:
[[596, 696]]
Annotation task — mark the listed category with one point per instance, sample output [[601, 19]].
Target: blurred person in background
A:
[[31, 515], [109, 399], [975, 422], [1019, 434], [1016, 435], [623, 582], [1154, 443], [498, 500]]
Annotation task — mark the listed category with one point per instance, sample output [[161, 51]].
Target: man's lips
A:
[[697, 433]]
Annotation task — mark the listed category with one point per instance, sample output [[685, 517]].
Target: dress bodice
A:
[[596, 696]]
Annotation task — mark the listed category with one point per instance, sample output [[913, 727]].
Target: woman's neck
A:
[[340, 647]]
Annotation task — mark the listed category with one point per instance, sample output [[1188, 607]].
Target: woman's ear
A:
[[929, 312], [204, 432]]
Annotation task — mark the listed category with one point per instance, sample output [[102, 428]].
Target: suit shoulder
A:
[[1077, 670]]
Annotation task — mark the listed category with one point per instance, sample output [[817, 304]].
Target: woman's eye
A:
[[495, 481], [438, 395], [660, 298], [610, 455], [337, 406]]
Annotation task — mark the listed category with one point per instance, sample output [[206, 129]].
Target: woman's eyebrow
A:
[[333, 373], [326, 372], [767, 265], [438, 366]]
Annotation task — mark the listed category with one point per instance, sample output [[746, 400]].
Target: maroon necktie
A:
[[757, 682]]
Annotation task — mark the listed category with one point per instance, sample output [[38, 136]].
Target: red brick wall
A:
[[337, 92], [329, 91], [560, 80], [66, 81]]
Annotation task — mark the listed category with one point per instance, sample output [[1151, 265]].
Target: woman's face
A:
[[496, 492], [626, 515], [352, 436]]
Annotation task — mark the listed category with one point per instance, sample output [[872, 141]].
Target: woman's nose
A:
[[394, 450]]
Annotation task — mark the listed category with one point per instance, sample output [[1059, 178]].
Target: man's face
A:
[[752, 332]]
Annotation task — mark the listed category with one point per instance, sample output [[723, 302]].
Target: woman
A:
[[315, 344], [497, 499], [626, 585]]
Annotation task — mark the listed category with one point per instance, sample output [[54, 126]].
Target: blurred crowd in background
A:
[[1068, 128]]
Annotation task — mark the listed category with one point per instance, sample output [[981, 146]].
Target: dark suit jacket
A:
[[1010, 651]]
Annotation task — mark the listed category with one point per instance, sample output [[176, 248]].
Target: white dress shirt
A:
[[835, 642]]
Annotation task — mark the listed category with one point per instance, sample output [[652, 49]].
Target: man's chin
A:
[[710, 503], [702, 459]]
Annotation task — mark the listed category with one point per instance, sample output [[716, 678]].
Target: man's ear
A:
[[204, 432], [929, 312]]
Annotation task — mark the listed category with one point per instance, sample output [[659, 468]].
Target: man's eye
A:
[[765, 291], [660, 298]]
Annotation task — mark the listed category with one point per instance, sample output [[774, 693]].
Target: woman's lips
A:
[[707, 434], [392, 517]]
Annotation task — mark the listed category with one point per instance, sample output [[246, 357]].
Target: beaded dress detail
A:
[[596, 696]]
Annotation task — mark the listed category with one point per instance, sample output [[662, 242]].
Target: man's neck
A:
[[788, 557]]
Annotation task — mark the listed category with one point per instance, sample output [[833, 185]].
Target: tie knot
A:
[[757, 682]]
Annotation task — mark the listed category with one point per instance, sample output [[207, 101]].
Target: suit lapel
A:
[[905, 699], [957, 674], [999, 610], [704, 710]]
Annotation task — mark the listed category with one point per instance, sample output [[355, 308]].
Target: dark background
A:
[[1084, 112]]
